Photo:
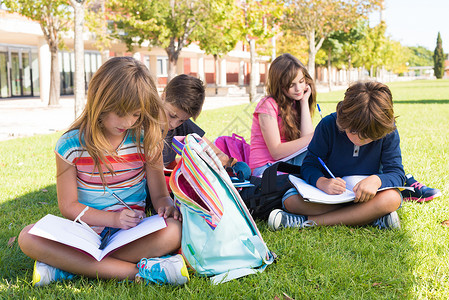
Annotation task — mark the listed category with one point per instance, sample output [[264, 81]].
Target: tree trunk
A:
[[348, 79], [313, 49], [104, 56], [55, 79], [329, 68], [216, 75], [171, 68], [172, 61], [252, 76], [80, 89], [312, 52]]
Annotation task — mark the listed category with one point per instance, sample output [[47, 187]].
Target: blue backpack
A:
[[219, 236]]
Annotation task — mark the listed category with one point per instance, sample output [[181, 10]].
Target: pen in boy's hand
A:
[[319, 110], [327, 169], [120, 200]]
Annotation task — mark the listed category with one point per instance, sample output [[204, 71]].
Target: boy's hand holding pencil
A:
[[331, 186]]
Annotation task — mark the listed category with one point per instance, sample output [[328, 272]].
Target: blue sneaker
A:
[[44, 274], [279, 219], [164, 270], [421, 193], [389, 221]]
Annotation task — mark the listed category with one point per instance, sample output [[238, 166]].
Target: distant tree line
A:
[[331, 33]]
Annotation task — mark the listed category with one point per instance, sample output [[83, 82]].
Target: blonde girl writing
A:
[[115, 143]]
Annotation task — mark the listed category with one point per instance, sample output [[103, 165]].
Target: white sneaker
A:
[[279, 219], [389, 221], [164, 270], [44, 274]]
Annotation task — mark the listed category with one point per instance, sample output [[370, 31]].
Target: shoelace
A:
[[308, 223], [298, 221], [154, 274], [416, 185], [62, 275], [380, 223], [293, 221]]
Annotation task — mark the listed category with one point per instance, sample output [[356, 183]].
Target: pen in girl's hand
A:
[[327, 169], [319, 110], [120, 200]]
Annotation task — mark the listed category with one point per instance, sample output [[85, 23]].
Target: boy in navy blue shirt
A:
[[359, 139]]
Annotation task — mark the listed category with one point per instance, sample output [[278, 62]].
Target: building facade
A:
[[25, 62]]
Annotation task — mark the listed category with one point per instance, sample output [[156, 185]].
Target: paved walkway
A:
[[20, 117]]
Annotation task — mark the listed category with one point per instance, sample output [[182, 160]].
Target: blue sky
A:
[[416, 22]]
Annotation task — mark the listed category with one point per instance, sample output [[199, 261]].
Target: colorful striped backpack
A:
[[219, 236]]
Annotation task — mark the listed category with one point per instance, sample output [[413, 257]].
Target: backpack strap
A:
[[234, 274], [253, 243], [269, 175]]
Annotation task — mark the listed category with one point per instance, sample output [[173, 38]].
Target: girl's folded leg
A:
[[121, 264], [69, 259]]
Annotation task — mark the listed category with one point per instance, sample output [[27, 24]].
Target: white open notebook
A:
[[313, 194], [84, 238]]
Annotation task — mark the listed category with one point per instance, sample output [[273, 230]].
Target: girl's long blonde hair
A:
[[282, 72], [122, 85]]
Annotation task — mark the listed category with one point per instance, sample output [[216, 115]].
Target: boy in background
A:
[[184, 98]]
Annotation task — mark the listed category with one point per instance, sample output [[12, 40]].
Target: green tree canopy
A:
[[170, 25], [317, 19], [296, 45], [258, 22], [438, 58], [218, 34], [420, 56]]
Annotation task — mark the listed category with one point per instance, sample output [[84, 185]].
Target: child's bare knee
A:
[[172, 233], [292, 202], [24, 238], [390, 200]]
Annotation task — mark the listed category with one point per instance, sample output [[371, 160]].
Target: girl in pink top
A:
[[282, 121]]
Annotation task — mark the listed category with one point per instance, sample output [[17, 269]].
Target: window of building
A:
[[92, 61], [146, 61], [162, 66]]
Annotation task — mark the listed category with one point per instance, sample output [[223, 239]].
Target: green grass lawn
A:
[[316, 263]]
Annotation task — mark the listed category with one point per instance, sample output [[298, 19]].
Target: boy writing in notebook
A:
[[360, 138]]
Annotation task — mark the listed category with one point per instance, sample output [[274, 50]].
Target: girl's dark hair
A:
[[283, 70], [367, 110]]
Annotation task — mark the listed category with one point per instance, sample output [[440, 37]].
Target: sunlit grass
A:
[[316, 263]]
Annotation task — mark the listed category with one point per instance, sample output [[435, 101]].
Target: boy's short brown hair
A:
[[187, 93], [367, 110]]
